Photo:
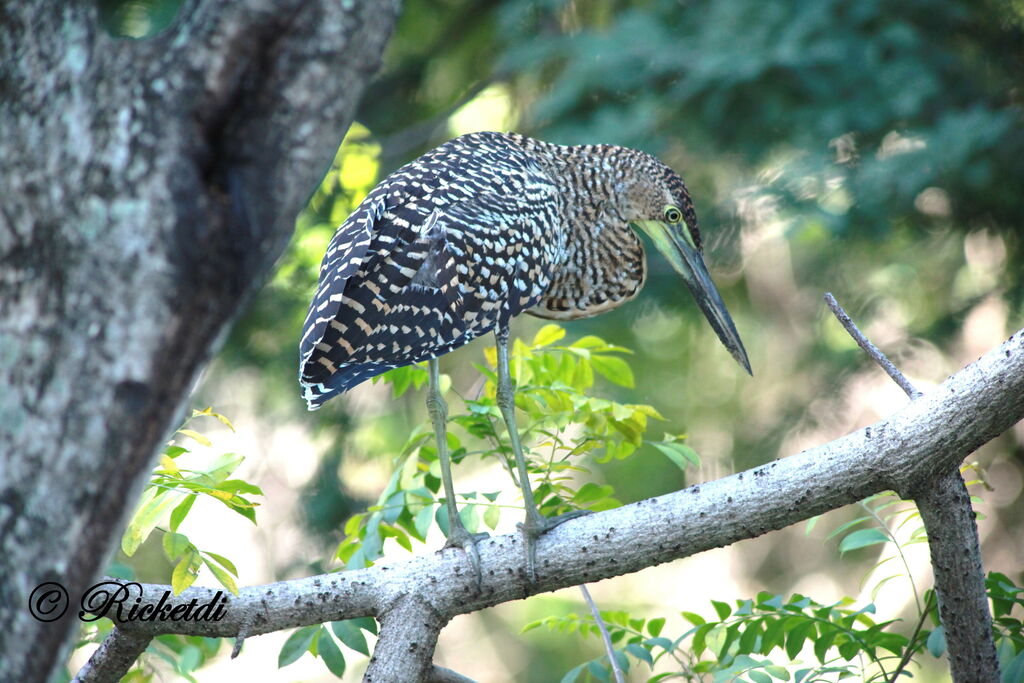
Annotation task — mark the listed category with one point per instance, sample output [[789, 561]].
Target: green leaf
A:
[[424, 518], [169, 465], [862, 538], [330, 653], [598, 670], [351, 635], [223, 561], [189, 660], [613, 369], [186, 571], [640, 652], [195, 436], [400, 379], [573, 674], [664, 643], [492, 513], [1014, 670], [937, 642], [848, 525], [150, 513], [225, 579], [795, 639], [223, 465], [175, 544], [368, 624], [240, 486], [548, 334], [296, 645], [717, 638], [654, 626], [694, 618], [759, 677], [699, 643], [723, 609], [826, 636], [181, 511], [774, 634], [680, 454], [750, 636]]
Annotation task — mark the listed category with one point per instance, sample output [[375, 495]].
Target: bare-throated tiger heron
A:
[[486, 226]]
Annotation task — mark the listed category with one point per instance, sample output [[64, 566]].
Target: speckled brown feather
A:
[[480, 229]]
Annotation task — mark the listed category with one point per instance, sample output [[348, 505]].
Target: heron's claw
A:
[[536, 526], [460, 537]]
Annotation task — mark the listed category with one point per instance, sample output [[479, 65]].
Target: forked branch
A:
[[902, 452], [949, 520]]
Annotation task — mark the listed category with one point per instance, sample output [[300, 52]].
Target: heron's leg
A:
[[535, 523], [458, 535]]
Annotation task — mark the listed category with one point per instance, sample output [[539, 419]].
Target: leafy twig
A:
[[909, 652]]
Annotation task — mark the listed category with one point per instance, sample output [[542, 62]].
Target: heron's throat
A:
[[601, 262]]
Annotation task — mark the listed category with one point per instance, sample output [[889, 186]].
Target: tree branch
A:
[[948, 517], [113, 658], [439, 674], [606, 637], [930, 434], [870, 348], [409, 628]]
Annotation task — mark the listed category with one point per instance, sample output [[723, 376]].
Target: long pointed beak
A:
[[676, 246]]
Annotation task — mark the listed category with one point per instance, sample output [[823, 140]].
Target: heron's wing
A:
[[431, 259], [344, 256], [452, 282]]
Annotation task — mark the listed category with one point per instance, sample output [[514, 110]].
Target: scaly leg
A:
[[535, 524], [458, 535]]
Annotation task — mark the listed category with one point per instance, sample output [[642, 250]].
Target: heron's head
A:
[[657, 202]]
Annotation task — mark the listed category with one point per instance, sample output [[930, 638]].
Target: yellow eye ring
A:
[[673, 214]]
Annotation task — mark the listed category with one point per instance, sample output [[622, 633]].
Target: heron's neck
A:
[[601, 261], [590, 178]]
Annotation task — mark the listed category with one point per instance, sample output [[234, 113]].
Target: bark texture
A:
[[912, 450], [147, 187], [114, 658], [948, 517]]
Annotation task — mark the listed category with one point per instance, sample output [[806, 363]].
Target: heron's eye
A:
[[673, 214]]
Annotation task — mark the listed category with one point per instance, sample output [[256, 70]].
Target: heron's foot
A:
[[536, 526], [460, 537]]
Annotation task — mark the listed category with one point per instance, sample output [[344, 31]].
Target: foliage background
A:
[[871, 149]]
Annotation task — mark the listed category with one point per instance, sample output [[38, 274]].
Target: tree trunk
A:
[[148, 186]]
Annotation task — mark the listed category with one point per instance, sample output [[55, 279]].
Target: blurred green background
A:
[[873, 149]]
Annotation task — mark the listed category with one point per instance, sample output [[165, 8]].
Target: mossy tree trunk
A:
[[147, 188]]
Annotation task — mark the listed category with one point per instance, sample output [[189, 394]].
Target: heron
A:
[[489, 225]]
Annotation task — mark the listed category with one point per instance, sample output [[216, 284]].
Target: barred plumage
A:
[[480, 229], [485, 227]]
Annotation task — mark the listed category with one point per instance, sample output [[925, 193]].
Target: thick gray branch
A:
[[933, 433], [147, 188], [953, 542], [948, 517], [409, 627], [113, 658]]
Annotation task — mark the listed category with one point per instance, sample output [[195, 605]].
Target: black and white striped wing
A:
[[439, 253]]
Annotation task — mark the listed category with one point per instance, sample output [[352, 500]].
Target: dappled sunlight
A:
[[803, 185], [491, 109], [984, 327]]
